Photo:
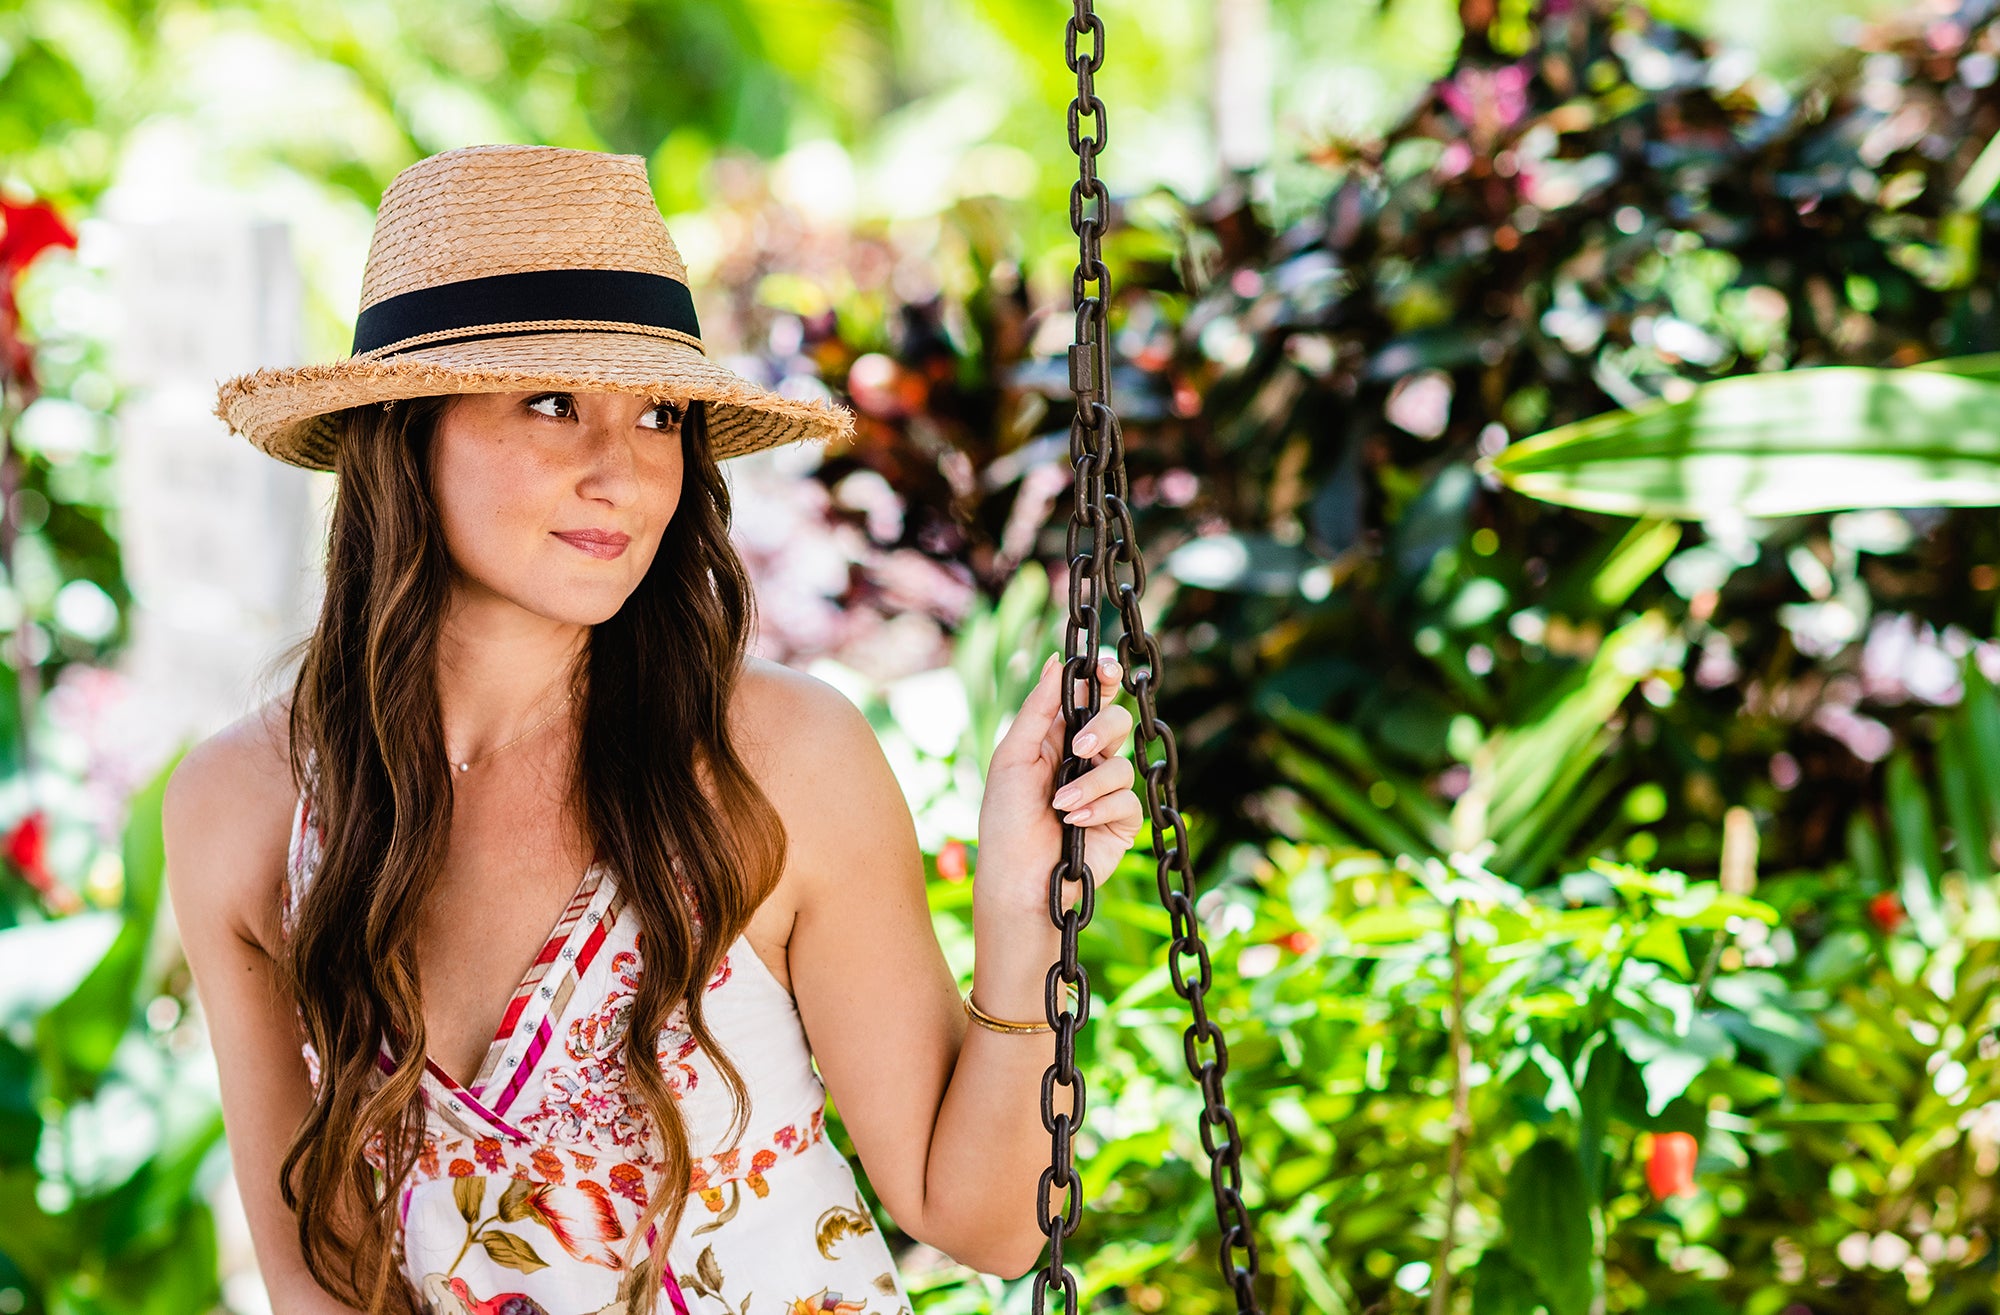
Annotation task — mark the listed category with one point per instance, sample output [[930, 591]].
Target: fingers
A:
[[1084, 799], [1105, 733], [1041, 710], [1122, 806]]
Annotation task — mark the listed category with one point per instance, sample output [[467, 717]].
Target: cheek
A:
[[485, 490], [663, 482]]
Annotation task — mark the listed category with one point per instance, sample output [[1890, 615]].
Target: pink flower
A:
[[1488, 101]]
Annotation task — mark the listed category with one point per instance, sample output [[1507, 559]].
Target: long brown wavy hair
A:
[[656, 779]]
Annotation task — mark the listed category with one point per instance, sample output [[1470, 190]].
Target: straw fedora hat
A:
[[502, 268]]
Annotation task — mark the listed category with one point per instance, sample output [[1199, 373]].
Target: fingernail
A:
[[1084, 743], [1080, 815], [1051, 661], [1065, 797]]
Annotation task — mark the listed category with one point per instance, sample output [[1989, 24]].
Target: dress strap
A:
[[302, 851]]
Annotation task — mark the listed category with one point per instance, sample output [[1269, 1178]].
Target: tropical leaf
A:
[[514, 1202], [1547, 1213], [838, 1222], [470, 1194], [513, 1252], [1782, 444]]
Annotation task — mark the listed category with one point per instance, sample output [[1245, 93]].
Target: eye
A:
[[568, 402], [669, 414]]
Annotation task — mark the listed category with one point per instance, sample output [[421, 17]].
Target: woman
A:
[[537, 897]]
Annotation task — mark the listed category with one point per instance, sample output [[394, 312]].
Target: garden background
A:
[[1597, 835]]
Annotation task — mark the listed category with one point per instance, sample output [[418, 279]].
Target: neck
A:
[[500, 670]]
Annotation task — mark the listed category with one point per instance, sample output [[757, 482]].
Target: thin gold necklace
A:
[[466, 765]]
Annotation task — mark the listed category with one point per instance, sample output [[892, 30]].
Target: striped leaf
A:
[[1825, 439]]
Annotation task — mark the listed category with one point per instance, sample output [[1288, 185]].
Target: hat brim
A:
[[289, 412]]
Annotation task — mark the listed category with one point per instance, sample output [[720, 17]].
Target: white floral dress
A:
[[530, 1178]]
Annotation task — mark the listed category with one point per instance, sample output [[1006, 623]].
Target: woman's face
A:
[[556, 501]]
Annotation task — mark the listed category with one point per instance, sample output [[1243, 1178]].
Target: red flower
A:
[[584, 1232], [25, 232], [1298, 942], [27, 849], [487, 1151], [1670, 1168], [952, 862], [1886, 911], [461, 1169]]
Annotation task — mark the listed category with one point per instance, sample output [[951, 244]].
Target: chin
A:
[[581, 604]]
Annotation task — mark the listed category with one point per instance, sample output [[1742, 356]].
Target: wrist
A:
[[1010, 979]]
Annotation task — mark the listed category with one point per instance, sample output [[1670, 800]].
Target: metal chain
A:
[[1096, 450]]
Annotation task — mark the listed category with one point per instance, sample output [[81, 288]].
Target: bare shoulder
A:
[[227, 817], [776, 703], [814, 754]]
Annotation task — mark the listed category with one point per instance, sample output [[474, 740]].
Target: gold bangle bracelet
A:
[[986, 1020]]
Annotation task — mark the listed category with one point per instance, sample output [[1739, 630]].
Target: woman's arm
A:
[[227, 818], [945, 1117]]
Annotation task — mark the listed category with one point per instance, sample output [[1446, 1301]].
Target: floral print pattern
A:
[[529, 1180]]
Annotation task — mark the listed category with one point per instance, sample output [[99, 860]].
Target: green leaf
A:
[[77, 1036], [43, 962], [1781, 444], [1643, 551], [1668, 1064], [1538, 764], [1549, 1236], [513, 1252], [470, 1193], [1918, 863], [1662, 943], [1981, 713], [1499, 1287], [1961, 799]]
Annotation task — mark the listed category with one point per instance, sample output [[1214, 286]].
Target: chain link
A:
[[1110, 561]]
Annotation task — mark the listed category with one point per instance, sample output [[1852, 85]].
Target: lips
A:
[[598, 543]]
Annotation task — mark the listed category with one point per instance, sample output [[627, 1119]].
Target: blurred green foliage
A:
[[1459, 766], [1451, 684]]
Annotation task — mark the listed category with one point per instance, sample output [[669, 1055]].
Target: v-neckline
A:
[[520, 1001]]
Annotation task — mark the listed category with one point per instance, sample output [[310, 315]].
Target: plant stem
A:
[[26, 683], [1461, 1121]]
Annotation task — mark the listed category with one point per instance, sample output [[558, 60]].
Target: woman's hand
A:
[[1020, 828]]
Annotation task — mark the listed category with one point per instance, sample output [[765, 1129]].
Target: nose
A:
[[611, 463]]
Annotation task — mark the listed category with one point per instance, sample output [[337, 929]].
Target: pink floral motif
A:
[[581, 1102], [597, 1035], [487, 1151]]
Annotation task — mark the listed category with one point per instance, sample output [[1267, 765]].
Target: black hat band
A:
[[529, 301]]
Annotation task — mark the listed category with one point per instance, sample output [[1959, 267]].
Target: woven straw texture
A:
[[484, 210]]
